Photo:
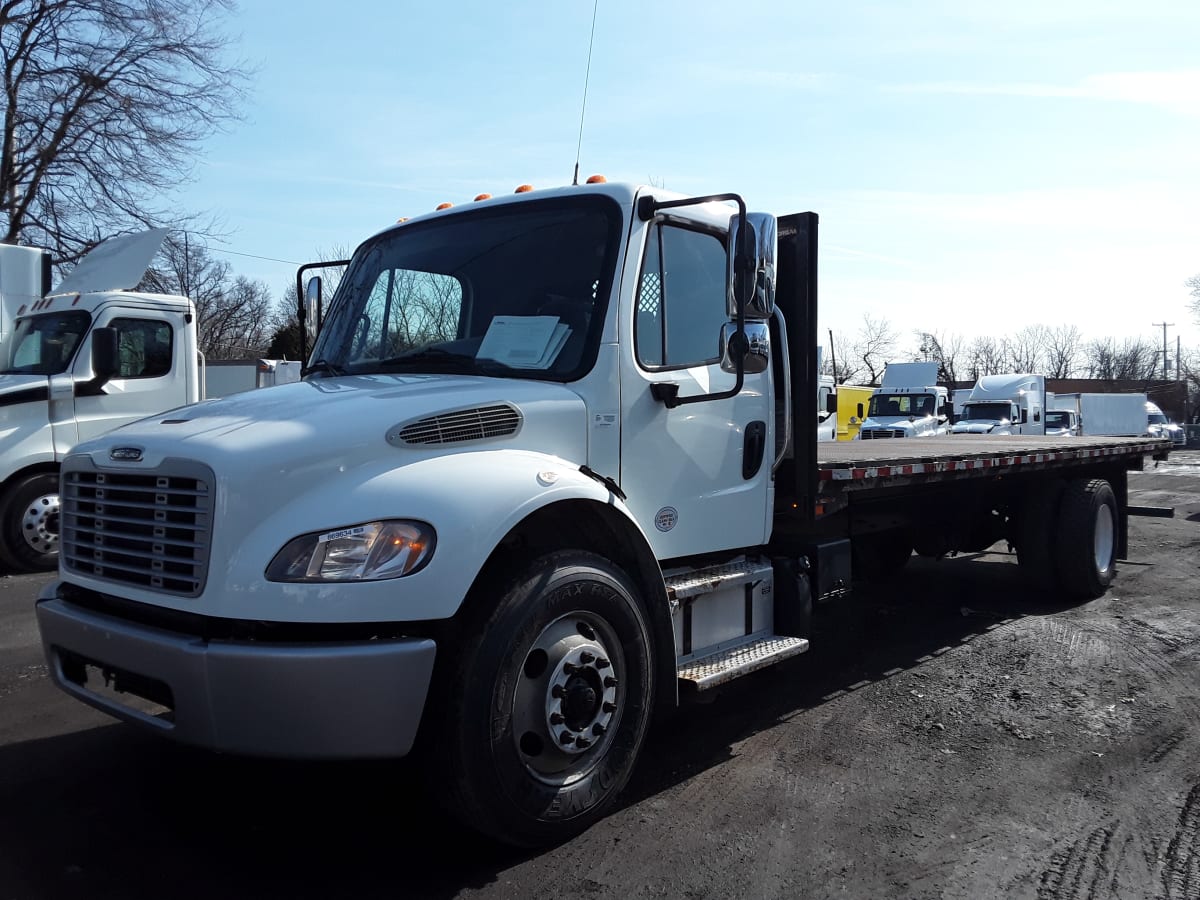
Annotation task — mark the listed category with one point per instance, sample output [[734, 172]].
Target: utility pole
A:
[[1166, 358]]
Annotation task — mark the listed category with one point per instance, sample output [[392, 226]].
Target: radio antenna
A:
[[587, 76]]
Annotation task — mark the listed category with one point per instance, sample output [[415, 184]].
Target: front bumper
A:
[[336, 699]]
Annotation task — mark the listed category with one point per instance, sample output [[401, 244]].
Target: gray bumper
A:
[[328, 700]]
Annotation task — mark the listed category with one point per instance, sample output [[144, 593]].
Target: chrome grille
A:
[[151, 528], [476, 424], [870, 434]]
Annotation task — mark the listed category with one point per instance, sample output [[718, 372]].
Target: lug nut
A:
[[557, 692], [566, 738], [609, 707], [586, 657], [582, 742], [556, 718], [598, 729], [609, 681], [570, 668], [602, 663]]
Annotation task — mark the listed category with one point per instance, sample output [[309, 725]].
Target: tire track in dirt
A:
[[1181, 863], [1165, 746], [1079, 872]]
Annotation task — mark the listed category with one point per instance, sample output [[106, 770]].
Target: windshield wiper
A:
[[322, 365]]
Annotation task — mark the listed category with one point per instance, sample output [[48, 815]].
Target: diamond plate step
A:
[[703, 581], [726, 665]]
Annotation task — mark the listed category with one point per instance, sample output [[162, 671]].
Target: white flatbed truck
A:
[[505, 545]]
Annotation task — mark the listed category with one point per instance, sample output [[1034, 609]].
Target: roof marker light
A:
[[402, 219], [523, 189], [442, 206], [597, 179], [479, 197]]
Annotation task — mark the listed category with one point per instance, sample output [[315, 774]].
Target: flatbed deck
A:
[[879, 460]]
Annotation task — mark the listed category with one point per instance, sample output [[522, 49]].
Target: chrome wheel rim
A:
[[36, 520], [1102, 546], [569, 698]]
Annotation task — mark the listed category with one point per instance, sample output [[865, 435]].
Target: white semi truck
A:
[[1004, 404], [909, 403], [54, 394], [553, 465]]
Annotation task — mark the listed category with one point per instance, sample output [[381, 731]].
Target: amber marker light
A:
[[596, 179], [523, 189], [442, 206], [479, 197]]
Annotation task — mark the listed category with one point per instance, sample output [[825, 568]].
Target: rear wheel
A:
[[29, 523], [546, 707], [1087, 538]]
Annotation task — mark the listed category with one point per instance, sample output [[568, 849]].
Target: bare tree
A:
[[839, 361], [1024, 349], [876, 344], [1193, 286], [106, 102], [986, 356], [945, 350], [1132, 359], [1062, 350], [234, 316]]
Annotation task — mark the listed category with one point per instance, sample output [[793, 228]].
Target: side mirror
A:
[[312, 306], [860, 411], [831, 403], [754, 250], [106, 360], [754, 347]]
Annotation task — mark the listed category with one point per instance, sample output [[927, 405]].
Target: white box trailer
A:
[[1114, 415]]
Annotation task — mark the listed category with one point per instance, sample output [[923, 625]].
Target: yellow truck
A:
[[851, 409]]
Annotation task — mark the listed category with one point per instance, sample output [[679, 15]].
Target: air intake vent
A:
[[476, 424]]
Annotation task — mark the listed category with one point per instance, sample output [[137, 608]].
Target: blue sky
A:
[[978, 167]]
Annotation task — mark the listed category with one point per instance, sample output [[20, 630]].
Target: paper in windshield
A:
[[524, 342]]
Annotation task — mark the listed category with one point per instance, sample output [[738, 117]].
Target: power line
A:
[[252, 256]]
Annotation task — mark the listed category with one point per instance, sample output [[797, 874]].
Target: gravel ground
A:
[[950, 736]]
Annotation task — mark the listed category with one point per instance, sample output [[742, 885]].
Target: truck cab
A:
[[1004, 404], [908, 403], [1062, 423], [52, 397]]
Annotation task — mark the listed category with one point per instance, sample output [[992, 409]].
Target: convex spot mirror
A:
[[312, 306], [754, 348]]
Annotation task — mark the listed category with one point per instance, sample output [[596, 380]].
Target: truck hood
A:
[[315, 428], [981, 426]]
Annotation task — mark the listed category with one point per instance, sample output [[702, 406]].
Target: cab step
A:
[[698, 582], [733, 662]]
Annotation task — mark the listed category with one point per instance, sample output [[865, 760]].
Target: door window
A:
[[681, 299], [144, 347]]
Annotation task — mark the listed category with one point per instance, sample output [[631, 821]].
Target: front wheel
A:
[[547, 703], [29, 523]]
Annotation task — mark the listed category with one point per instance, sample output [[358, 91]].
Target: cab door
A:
[[151, 377], [696, 476]]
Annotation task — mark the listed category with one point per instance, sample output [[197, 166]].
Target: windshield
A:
[[516, 291], [902, 405], [45, 344], [1058, 420], [991, 412], [1157, 419]]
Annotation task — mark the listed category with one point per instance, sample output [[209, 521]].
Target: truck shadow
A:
[[111, 812]]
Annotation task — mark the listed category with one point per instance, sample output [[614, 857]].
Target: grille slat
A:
[[475, 424], [149, 529]]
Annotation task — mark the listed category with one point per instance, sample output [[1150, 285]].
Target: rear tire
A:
[[29, 523], [542, 710], [1086, 549]]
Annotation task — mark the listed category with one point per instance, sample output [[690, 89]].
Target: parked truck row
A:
[[83, 358], [553, 467]]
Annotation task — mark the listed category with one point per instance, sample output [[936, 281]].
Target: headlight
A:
[[373, 551]]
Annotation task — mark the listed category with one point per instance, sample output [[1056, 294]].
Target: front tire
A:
[[547, 703], [29, 523], [1087, 538]]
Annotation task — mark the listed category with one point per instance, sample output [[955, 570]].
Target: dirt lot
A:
[[950, 737]]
